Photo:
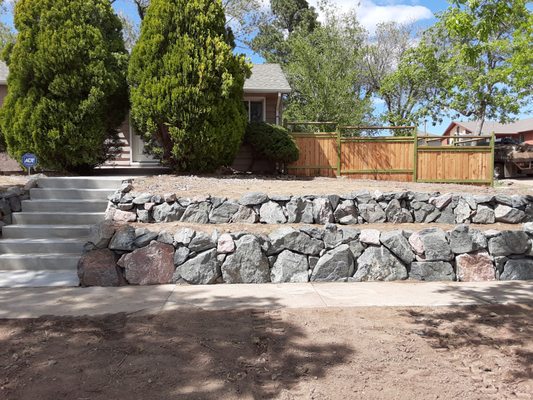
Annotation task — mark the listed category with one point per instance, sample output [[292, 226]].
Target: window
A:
[[255, 107]]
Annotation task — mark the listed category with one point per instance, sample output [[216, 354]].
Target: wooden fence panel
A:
[[318, 155], [459, 164], [378, 158]]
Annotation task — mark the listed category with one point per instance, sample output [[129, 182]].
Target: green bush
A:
[[272, 142], [187, 85], [67, 83]]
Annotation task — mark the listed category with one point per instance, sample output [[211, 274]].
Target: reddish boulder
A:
[[475, 267], [99, 268], [150, 265]]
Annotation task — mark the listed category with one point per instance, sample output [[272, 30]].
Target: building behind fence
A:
[[350, 151]]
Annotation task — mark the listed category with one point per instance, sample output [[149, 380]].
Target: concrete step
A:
[[64, 205], [99, 182], [24, 278], [45, 231], [39, 261], [64, 218], [70, 194], [31, 246]]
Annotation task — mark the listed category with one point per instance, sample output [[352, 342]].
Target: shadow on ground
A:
[[182, 354]]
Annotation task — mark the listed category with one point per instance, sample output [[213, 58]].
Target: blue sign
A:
[[29, 160]]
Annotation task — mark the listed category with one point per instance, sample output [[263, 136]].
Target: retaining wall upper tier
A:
[[143, 257], [353, 208]]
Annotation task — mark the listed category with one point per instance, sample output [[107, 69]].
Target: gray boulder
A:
[[201, 242], [462, 211], [288, 238], [123, 239], [184, 236], [484, 215], [335, 265], [142, 198], [431, 243], [223, 213], [346, 213], [290, 267], [203, 269], [509, 215], [245, 215], [145, 238], [441, 201], [357, 248], [197, 213], [372, 213], [165, 237], [181, 255], [464, 240], [272, 213], [253, 199], [379, 264], [508, 242], [396, 242], [295, 209], [432, 271], [517, 270], [322, 211], [247, 264], [100, 234], [167, 212]]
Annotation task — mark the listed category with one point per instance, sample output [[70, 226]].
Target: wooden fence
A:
[[342, 152]]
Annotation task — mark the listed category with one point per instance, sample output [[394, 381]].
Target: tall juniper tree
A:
[[187, 85], [67, 82]]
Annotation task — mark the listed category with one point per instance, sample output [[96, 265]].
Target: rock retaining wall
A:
[[141, 257], [10, 202], [354, 208]]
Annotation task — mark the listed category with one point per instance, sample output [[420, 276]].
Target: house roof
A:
[[4, 71], [512, 128], [267, 78]]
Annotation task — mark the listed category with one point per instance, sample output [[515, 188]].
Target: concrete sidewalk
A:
[[30, 303]]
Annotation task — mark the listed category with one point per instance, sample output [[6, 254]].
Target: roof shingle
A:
[[267, 78]]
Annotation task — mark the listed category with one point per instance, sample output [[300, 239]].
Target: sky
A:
[[420, 13]]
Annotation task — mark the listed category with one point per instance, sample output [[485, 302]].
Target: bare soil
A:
[[7, 181], [481, 352], [235, 186], [267, 228]]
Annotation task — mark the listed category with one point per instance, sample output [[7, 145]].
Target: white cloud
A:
[[370, 14]]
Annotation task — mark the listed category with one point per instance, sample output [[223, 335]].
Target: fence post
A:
[[339, 150], [492, 142], [415, 154]]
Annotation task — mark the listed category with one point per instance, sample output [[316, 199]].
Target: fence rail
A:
[[398, 158]]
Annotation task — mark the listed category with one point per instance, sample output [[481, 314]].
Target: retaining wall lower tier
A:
[[353, 208], [142, 257]]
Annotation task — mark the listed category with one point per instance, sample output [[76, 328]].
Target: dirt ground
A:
[[476, 352], [235, 186], [7, 181]]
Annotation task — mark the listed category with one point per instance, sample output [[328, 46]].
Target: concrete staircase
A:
[[43, 245]]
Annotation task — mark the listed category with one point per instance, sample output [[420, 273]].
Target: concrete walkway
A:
[[29, 303]]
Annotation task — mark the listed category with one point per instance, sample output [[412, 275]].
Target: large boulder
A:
[[246, 215], [247, 264], [346, 213], [197, 213], [288, 238], [99, 268], [517, 270], [223, 213], [484, 215], [253, 199], [290, 267], [167, 212], [144, 236], [123, 217], [372, 213], [225, 244], [335, 265], [509, 242], [201, 242], [508, 214], [462, 211], [150, 265], [431, 244], [123, 239], [396, 242], [272, 213], [379, 264], [464, 240], [396, 214], [475, 267], [184, 236], [432, 271], [100, 234], [203, 269], [322, 211], [441, 201]]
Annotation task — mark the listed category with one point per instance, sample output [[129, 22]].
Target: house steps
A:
[[45, 242]]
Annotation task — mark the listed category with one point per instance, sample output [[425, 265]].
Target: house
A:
[[521, 131], [263, 98]]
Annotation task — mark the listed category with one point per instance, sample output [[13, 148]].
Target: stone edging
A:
[[141, 257], [354, 208]]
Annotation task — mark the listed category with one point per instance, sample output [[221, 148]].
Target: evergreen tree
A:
[[67, 85], [187, 85]]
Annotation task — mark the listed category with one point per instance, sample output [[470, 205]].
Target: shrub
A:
[[67, 83], [272, 142], [187, 85]]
